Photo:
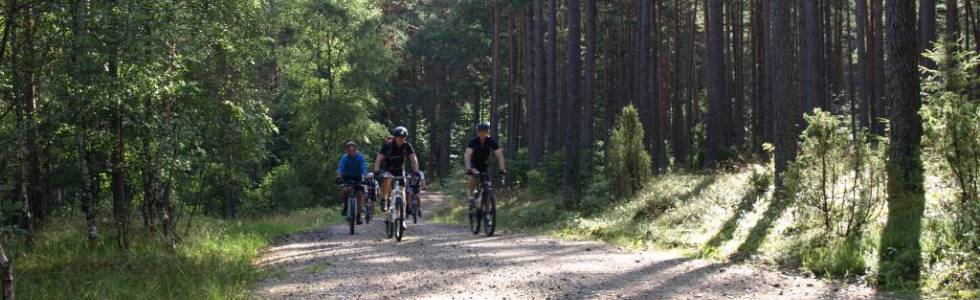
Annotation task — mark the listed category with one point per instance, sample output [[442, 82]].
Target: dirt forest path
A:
[[438, 261]]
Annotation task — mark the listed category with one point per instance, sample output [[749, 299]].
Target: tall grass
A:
[[214, 260]]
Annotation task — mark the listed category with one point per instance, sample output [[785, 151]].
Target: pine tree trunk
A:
[[679, 145], [514, 105], [717, 87], [572, 109], [878, 68], [738, 105], [812, 55], [786, 104], [588, 99], [900, 253], [551, 105], [537, 113], [641, 79], [656, 105], [495, 72], [861, 17], [927, 28]]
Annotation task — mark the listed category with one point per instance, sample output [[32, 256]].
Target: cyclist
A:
[[478, 150], [352, 168], [393, 157]]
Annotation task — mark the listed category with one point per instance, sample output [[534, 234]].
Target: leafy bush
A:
[[951, 119], [280, 190], [839, 184], [629, 162]]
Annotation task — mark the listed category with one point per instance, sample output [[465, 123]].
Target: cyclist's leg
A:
[[385, 192], [360, 203], [343, 200], [471, 187]]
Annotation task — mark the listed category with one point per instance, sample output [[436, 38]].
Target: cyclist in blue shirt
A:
[[352, 168]]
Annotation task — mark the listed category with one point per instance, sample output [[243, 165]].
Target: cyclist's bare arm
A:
[[466, 159], [378, 161], [499, 153], [415, 162]]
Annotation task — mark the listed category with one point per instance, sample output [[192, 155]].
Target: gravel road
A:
[[438, 261]]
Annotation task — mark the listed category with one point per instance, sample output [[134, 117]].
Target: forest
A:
[[169, 139]]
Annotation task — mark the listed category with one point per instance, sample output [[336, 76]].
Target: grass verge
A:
[[214, 261]]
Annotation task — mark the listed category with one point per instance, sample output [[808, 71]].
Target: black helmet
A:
[[483, 126], [400, 132]]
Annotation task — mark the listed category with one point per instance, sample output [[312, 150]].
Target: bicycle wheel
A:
[[389, 224], [415, 210], [475, 217], [351, 212], [368, 211], [490, 214], [399, 222]]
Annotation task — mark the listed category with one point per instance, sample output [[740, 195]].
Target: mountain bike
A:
[[371, 191], [483, 210], [415, 206], [395, 215], [352, 213]]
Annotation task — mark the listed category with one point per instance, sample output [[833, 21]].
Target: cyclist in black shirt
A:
[[478, 151], [393, 157]]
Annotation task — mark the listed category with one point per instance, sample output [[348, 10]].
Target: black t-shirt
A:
[[395, 156], [481, 152]]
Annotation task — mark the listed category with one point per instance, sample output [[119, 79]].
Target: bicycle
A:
[[414, 206], [395, 215], [484, 208], [352, 213], [371, 195]]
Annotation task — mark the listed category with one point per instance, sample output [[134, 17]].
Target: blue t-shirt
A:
[[352, 167]]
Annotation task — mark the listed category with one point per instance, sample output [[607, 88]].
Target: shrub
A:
[[629, 162], [951, 119], [839, 184]]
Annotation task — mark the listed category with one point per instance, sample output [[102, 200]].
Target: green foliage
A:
[[214, 261], [951, 119], [548, 178], [839, 184], [629, 162], [835, 259]]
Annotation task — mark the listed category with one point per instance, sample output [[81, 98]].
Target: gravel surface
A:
[[437, 261]]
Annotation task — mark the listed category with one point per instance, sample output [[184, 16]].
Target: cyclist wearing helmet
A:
[[477, 152], [393, 157], [352, 168]]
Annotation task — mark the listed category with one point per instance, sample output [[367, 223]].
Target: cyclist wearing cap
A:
[[477, 152], [352, 168]]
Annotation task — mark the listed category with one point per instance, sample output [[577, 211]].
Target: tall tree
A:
[[718, 106], [551, 70], [572, 109], [641, 71], [783, 85], [495, 68], [678, 143], [927, 27], [588, 98], [537, 112], [738, 76], [656, 140], [812, 54], [864, 76], [953, 21], [900, 254]]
